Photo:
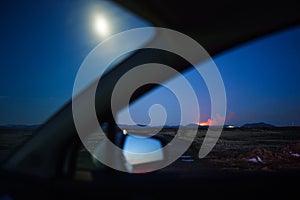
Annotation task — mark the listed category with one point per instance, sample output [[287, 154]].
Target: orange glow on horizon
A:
[[216, 121], [209, 122], [204, 123]]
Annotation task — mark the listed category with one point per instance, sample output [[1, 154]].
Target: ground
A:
[[271, 149]]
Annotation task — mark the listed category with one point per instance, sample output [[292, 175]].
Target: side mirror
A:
[[142, 153]]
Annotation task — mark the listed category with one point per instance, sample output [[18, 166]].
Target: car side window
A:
[[262, 82], [261, 79]]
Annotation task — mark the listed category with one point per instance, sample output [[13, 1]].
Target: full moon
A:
[[101, 26]]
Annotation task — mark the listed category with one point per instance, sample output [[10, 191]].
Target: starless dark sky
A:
[[44, 43], [261, 78]]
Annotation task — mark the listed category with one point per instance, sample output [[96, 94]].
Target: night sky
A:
[[44, 44], [261, 78]]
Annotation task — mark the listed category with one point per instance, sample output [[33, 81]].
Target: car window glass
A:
[[258, 76], [42, 47], [262, 82]]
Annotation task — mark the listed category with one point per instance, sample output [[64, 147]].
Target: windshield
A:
[[43, 44], [42, 47]]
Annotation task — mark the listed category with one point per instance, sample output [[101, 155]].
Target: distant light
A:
[[230, 126], [101, 26], [125, 132]]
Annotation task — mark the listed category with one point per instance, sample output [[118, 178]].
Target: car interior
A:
[[54, 163]]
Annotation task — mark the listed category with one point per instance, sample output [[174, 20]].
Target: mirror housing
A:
[[142, 153]]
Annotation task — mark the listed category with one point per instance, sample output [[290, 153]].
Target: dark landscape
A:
[[12, 137], [252, 148], [262, 148]]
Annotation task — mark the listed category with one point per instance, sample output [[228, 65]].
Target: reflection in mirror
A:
[[142, 152]]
